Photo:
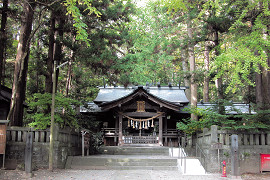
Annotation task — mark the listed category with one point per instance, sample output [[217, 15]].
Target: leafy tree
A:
[[247, 50], [40, 119], [240, 122]]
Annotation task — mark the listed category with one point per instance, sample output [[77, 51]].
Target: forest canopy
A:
[[220, 49]]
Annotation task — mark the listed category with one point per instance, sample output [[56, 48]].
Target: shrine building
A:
[[141, 115]]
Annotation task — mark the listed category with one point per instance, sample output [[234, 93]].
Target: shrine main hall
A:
[[141, 115]]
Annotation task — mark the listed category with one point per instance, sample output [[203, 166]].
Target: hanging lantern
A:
[[152, 123], [133, 123], [136, 124], [140, 125]]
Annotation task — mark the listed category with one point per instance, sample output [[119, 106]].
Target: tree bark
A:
[[219, 83], [3, 38], [21, 65], [259, 96], [193, 85], [68, 82], [206, 77], [58, 36], [186, 79], [48, 76]]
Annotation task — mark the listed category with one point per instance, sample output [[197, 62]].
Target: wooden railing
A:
[[112, 132], [171, 133], [140, 140]]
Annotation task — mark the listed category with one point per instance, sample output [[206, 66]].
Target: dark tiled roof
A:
[[235, 108], [171, 94], [5, 93], [90, 107]]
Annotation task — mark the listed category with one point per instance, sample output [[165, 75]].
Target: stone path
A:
[[62, 174]]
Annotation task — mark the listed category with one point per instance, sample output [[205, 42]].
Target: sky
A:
[[140, 3]]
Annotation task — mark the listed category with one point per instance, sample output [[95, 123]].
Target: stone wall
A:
[[250, 145], [67, 143]]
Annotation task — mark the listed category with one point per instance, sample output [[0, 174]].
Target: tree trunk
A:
[[21, 65], [267, 100], [259, 93], [68, 82], [48, 76], [3, 38], [186, 79], [58, 36], [219, 83], [191, 57], [206, 76]]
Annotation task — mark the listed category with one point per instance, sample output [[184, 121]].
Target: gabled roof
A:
[[171, 97], [5, 93], [171, 94]]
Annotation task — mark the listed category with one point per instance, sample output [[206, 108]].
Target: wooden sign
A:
[[140, 106], [87, 140], [217, 146]]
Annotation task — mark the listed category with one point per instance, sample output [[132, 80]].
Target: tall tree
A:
[[247, 50], [19, 84], [3, 38], [206, 73], [189, 10]]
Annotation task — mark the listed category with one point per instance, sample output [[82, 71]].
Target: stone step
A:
[[168, 168], [150, 163], [135, 150], [121, 162]]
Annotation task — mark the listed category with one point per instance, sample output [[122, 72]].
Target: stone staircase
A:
[[135, 150], [126, 158]]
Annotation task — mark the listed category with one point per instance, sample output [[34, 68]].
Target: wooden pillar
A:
[[165, 130], [116, 131], [160, 134], [166, 125], [120, 136]]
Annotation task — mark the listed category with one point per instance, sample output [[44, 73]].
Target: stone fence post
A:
[[214, 134]]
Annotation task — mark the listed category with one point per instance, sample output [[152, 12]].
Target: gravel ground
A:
[[61, 174]]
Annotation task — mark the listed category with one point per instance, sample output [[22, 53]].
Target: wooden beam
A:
[[140, 114]]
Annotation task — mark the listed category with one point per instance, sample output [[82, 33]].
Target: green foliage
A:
[[246, 46], [241, 122], [39, 115], [155, 41], [97, 142], [74, 11]]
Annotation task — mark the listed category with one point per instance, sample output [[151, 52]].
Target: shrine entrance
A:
[[139, 117], [142, 130]]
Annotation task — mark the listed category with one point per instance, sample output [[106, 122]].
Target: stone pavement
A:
[[62, 174]]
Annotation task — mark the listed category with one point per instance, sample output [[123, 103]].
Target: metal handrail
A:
[[202, 156], [183, 156]]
